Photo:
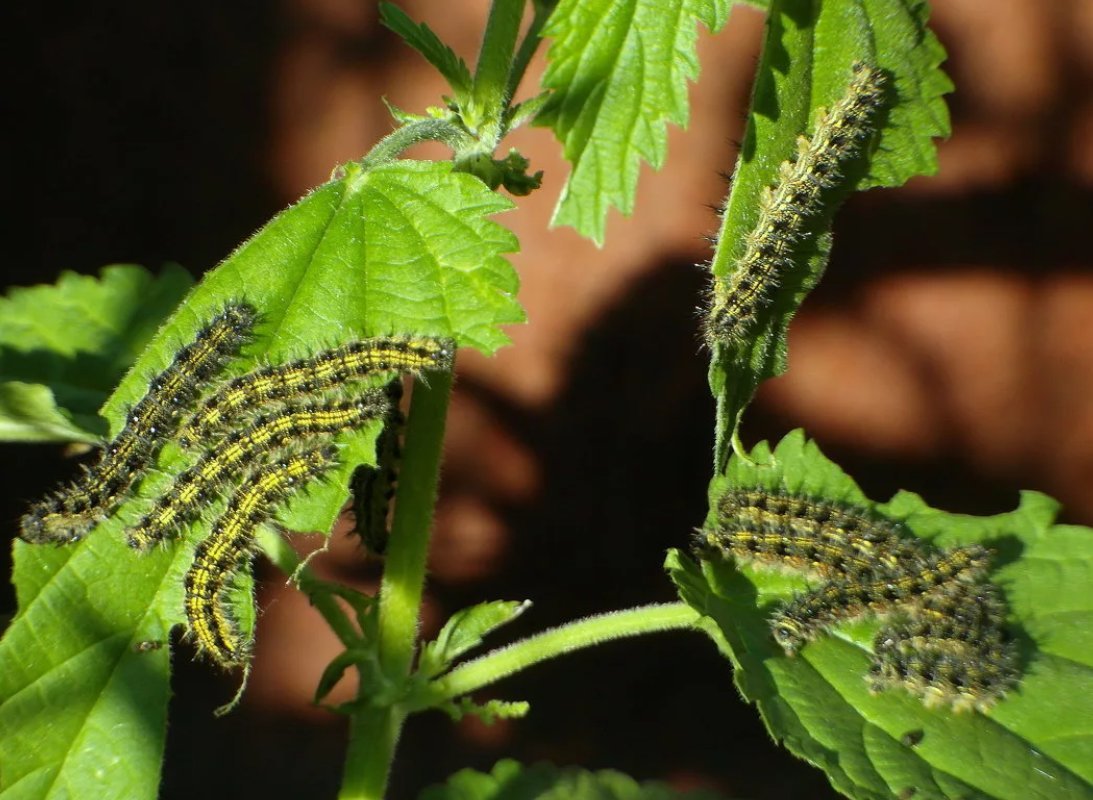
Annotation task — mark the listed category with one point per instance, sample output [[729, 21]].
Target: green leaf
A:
[[64, 347], [511, 780], [619, 70], [912, 56], [404, 248], [465, 630], [421, 38], [29, 413], [82, 707], [806, 66], [1037, 741]]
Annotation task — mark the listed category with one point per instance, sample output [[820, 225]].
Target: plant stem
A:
[[527, 47], [404, 573], [494, 666], [426, 130], [491, 75], [374, 731]]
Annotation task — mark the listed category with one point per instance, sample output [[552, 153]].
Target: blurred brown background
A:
[[948, 350]]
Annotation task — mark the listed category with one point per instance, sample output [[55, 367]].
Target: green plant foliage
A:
[[489, 711], [513, 781], [421, 38], [403, 248], [64, 347], [464, 631], [912, 55], [82, 709], [619, 70], [806, 66], [1036, 743]]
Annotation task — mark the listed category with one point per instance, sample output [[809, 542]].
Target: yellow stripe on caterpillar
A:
[[69, 513], [218, 557], [331, 368], [244, 450]]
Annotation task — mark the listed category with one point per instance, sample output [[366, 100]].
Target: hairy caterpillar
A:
[[788, 205], [953, 650], [804, 534], [219, 556], [943, 639], [247, 449], [374, 487], [330, 368], [844, 599], [67, 514]]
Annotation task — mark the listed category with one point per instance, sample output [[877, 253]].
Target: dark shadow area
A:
[[137, 134]]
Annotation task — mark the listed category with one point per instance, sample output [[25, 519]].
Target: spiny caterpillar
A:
[[68, 514], [943, 618], [374, 487], [246, 449], [801, 534], [786, 208], [845, 599], [219, 556], [953, 651], [330, 368]]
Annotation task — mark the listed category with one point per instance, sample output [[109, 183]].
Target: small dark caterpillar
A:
[[68, 514], [953, 650], [872, 564], [374, 487], [331, 368], [803, 534], [788, 205], [845, 599], [245, 449], [219, 557]]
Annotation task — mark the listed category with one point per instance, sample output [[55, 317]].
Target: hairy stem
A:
[[374, 731], [491, 76], [552, 643], [395, 143], [528, 47]]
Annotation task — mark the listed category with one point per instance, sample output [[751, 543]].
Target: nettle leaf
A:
[[619, 70], [1035, 743], [513, 781], [911, 54], [806, 66], [465, 631], [403, 248], [422, 38], [63, 347]]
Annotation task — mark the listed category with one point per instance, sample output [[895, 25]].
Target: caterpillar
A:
[[69, 513], [245, 449], [330, 368], [786, 207], [844, 599], [374, 487], [218, 557], [953, 650], [808, 535]]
